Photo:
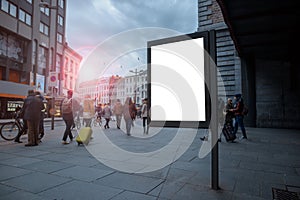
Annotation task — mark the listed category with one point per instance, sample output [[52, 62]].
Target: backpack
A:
[[66, 106], [245, 110]]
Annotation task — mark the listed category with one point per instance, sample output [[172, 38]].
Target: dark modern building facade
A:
[[256, 43], [32, 38]]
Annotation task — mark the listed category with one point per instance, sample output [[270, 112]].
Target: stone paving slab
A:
[[248, 169], [191, 192], [87, 174], [35, 182], [167, 189], [131, 182], [77, 190], [31, 153], [20, 194], [7, 172], [46, 166], [19, 161], [4, 156], [5, 190], [133, 196]]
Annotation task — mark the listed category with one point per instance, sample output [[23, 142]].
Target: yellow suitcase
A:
[[84, 135]]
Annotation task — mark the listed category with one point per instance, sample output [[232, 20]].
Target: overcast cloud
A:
[[90, 22]]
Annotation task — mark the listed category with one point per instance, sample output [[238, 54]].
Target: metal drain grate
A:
[[279, 194]]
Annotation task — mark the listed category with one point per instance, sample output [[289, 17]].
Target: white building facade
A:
[[109, 89]]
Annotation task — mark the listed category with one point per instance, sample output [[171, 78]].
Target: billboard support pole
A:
[[214, 113]]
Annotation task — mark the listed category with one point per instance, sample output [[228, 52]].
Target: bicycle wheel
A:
[[9, 130]]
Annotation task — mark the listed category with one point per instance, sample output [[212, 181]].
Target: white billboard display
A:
[[177, 80]]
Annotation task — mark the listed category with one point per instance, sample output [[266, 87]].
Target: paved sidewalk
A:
[[248, 169]]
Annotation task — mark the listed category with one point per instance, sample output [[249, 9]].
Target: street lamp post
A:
[[136, 73]]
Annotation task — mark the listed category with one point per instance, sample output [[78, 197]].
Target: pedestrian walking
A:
[[239, 117], [99, 113], [88, 110], [229, 115], [227, 129], [33, 106], [107, 115], [41, 125], [144, 115], [67, 115], [75, 110], [129, 111], [118, 110]]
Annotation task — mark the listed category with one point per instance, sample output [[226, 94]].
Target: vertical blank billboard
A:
[[176, 69]]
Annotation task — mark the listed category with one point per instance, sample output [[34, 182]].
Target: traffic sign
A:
[[52, 79]]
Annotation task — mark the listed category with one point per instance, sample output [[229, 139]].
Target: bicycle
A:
[[10, 130]]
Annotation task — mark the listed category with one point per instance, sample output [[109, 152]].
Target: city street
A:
[[248, 168]]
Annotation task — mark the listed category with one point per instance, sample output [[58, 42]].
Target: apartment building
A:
[[33, 46], [70, 70]]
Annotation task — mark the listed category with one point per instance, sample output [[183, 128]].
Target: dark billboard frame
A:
[[207, 62]]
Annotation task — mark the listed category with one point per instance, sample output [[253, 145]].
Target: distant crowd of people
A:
[[128, 111], [33, 111]]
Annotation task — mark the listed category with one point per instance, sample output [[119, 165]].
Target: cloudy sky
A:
[[91, 22]]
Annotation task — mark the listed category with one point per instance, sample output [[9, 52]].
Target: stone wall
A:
[[228, 63], [277, 94], [271, 89]]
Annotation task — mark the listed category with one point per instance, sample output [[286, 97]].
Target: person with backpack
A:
[[238, 111], [67, 115]]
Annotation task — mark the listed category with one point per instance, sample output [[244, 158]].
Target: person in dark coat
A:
[[107, 115], [41, 126], [239, 117], [129, 110], [33, 107], [118, 110]]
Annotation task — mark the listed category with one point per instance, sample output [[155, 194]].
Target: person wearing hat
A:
[[33, 107], [239, 117]]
